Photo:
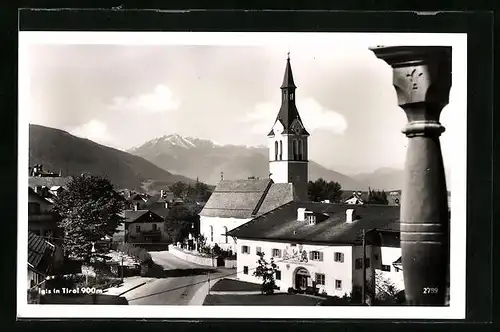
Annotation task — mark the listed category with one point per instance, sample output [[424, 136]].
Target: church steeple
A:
[[288, 150], [288, 113]]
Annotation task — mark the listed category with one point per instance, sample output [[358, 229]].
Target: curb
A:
[[137, 286]]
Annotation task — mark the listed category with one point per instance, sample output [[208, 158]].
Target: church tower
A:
[[288, 153]]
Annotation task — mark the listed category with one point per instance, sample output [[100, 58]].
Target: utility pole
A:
[[208, 275], [363, 266]]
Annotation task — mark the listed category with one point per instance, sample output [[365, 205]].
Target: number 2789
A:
[[430, 290]]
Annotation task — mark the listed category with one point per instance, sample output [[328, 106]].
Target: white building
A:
[[234, 203], [321, 243]]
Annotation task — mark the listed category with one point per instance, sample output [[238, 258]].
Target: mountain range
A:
[[58, 151], [170, 158], [205, 160]]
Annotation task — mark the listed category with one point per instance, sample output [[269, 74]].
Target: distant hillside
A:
[[59, 150], [197, 158], [387, 178]]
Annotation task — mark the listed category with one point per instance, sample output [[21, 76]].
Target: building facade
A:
[[320, 245]]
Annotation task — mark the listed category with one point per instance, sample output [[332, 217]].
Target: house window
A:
[[367, 263], [138, 228], [276, 150], [338, 257], [245, 249], [258, 250], [245, 269], [316, 256], [211, 233], [375, 257], [277, 253], [338, 284], [386, 268], [311, 219], [320, 279], [278, 275], [291, 96], [225, 233], [155, 227], [281, 150]]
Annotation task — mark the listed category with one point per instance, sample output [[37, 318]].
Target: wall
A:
[[218, 230], [331, 269], [145, 227], [200, 260], [230, 263]]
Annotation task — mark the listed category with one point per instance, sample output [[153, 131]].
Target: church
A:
[[236, 202]]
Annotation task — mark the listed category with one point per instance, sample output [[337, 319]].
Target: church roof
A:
[[281, 224], [246, 198], [288, 77]]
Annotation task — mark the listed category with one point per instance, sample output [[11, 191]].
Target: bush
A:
[[141, 254], [291, 290]]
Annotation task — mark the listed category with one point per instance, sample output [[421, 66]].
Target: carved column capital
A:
[[422, 79]]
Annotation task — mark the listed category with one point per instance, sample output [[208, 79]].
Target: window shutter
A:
[[242, 249], [321, 256], [311, 257], [342, 258]]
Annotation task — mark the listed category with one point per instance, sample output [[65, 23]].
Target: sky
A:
[[125, 95]]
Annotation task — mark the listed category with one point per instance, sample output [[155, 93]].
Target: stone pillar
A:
[[422, 79]]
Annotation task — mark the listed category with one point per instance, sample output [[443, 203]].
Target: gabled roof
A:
[[134, 216], [246, 198], [281, 224], [40, 253], [49, 181]]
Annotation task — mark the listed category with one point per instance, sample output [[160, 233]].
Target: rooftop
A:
[[281, 224]]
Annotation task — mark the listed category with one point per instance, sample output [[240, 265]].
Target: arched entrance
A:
[[301, 278]]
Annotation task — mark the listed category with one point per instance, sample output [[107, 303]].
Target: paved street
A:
[[179, 289]]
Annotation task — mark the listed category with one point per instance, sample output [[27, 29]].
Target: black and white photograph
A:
[[242, 175]]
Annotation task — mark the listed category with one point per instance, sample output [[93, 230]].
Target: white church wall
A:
[[218, 225]]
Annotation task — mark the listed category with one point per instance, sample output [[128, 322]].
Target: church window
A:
[[301, 150], [276, 150], [211, 233], [291, 96], [281, 150], [295, 149]]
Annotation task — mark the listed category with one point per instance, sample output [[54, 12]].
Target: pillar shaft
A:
[[422, 79]]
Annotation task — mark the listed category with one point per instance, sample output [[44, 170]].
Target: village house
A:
[[320, 244], [42, 221], [143, 226], [235, 202], [40, 261]]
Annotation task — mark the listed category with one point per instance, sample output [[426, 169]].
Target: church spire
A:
[[288, 77]]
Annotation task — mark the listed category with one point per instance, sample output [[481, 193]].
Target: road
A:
[[177, 289]]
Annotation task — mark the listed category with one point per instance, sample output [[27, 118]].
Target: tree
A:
[[377, 197], [179, 188], [180, 222], [320, 190], [89, 210], [266, 271]]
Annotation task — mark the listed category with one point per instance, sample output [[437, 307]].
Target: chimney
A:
[[161, 193], [136, 206], [166, 205], [349, 214], [301, 214]]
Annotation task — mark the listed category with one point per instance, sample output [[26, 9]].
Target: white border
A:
[[456, 310]]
